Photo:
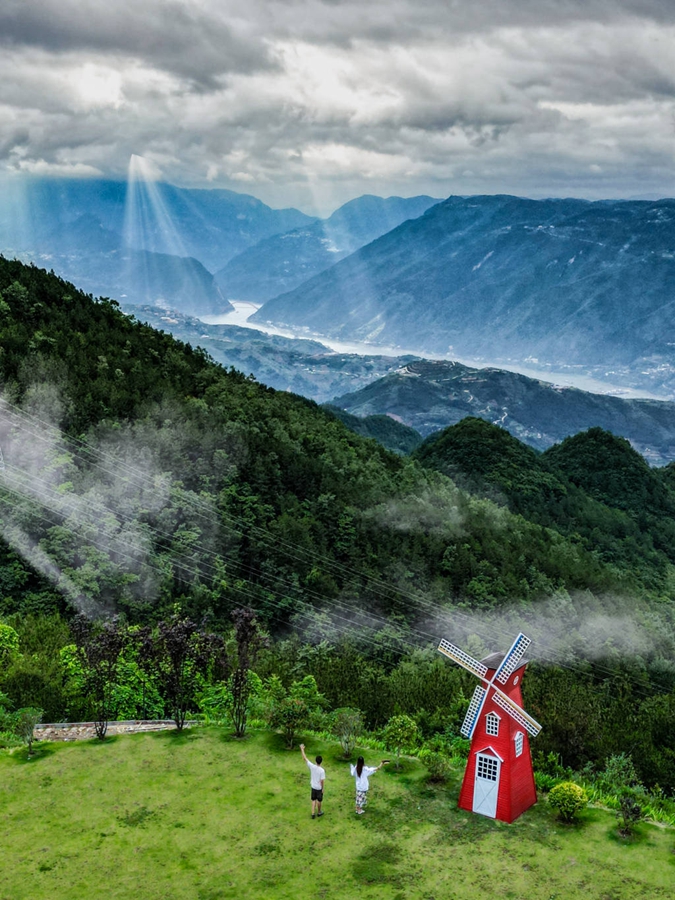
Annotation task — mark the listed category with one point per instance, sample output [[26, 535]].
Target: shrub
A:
[[630, 812], [300, 707], [437, 764], [619, 773], [568, 799], [290, 715], [544, 782], [347, 728], [459, 748], [9, 643]]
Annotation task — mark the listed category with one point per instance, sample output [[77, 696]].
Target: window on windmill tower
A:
[[492, 724], [519, 743]]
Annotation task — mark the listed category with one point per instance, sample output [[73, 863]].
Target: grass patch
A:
[[201, 817]]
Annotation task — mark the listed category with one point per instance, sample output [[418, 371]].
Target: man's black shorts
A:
[[317, 795]]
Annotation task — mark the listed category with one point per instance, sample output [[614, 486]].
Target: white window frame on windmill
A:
[[492, 724], [518, 741]]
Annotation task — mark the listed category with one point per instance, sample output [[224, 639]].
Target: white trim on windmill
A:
[[472, 713], [464, 660], [512, 659]]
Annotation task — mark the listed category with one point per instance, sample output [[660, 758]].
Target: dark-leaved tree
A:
[[99, 648], [177, 652], [249, 641]]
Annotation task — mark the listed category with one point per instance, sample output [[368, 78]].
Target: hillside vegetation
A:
[[140, 477]]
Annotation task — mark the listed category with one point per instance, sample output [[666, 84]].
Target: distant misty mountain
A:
[[565, 281], [429, 396], [97, 260], [147, 243], [280, 263], [209, 225]]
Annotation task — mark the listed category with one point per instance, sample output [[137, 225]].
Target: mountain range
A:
[[398, 399], [144, 243], [282, 262], [500, 278], [430, 395]]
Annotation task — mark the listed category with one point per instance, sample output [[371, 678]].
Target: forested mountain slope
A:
[[141, 478], [430, 395], [499, 277], [223, 489], [280, 263], [593, 487]]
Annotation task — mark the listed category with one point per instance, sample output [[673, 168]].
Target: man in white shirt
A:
[[317, 779]]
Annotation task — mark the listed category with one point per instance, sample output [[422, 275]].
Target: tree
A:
[[99, 648], [347, 728], [25, 721], [568, 799], [400, 733], [249, 641], [437, 763], [178, 652]]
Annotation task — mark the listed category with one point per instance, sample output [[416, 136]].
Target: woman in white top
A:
[[361, 772]]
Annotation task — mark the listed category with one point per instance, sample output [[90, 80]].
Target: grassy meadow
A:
[[201, 816]]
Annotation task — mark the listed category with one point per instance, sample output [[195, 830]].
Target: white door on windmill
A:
[[486, 785]]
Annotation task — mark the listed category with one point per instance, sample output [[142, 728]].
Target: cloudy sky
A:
[[312, 102]]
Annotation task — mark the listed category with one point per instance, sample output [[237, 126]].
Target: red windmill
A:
[[498, 781]]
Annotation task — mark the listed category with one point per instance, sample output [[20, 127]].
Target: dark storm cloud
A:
[[184, 38], [527, 96]]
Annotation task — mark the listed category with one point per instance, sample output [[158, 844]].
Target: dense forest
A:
[[140, 478]]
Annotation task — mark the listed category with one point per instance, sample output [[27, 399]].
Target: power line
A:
[[425, 636]]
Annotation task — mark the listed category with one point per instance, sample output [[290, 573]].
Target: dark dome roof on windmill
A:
[[494, 660]]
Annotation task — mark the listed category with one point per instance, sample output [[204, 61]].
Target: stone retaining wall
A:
[[81, 731]]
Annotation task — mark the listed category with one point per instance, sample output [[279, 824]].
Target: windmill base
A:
[[498, 795]]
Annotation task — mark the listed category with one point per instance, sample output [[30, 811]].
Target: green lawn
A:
[[204, 817]]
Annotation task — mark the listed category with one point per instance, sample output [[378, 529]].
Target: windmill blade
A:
[[472, 713], [510, 662], [516, 712], [463, 659]]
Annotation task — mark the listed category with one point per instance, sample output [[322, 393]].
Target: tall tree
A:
[[99, 648], [249, 641]]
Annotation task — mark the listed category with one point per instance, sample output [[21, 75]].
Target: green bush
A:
[[290, 715], [619, 773], [544, 782], [568, 799], [9, 643], [437, 764]]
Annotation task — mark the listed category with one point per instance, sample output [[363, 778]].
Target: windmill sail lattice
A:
[[511, 661]]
